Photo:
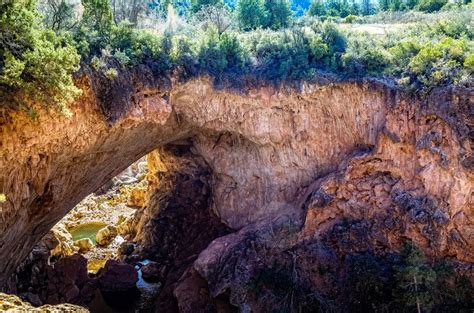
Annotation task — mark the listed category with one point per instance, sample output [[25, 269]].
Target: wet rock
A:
[[116, 276], [106, 235], [152, 272], [84, 245]]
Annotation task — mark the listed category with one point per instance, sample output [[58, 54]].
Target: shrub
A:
[[469, 63], [220, 53], [279, 288], [455, 28], [431, 5], [364, 56], [350, 19], [36, 64], [111, 73], [184, 54], [282, 56]]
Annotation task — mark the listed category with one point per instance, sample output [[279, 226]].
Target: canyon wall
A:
[[312, 155]]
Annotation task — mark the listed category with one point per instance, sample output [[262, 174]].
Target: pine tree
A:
[[251, 14], [196, 5], [415, 280], [278, 13], [317, 8], [366, 8], [384, 5]]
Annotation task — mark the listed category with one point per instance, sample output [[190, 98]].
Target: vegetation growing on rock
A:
[[39, 53]]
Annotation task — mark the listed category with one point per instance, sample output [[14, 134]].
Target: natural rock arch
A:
[[265, 146]]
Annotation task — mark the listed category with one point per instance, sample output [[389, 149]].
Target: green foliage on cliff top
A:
[[36, 63], [261, 38]]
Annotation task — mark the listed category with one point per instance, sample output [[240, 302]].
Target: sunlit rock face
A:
[[267, 148], [10, 303]]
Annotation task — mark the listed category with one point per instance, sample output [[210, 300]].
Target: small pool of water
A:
[[87, 230]]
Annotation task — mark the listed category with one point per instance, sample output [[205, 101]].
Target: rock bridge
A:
[[266, 147]]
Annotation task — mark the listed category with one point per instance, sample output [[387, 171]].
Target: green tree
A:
[[354, 8], [278, 13], [366, 7], [196, 5], [317, 8], [431, 5], [251, 14], [415, 280], [128, 10], [97, 16], [59, 15], [384, 5], [36, 64], [410, 4], [95, 27], [396, 5]]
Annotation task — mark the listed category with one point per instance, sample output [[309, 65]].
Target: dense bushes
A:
[[297, 53], [365, 56], [437, 55], [431, 5], [219, 53], [35, 63]]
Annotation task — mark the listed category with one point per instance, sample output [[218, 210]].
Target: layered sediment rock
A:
[[301, 161]]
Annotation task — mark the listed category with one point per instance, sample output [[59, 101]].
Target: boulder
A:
[[106, 235], [116, 276], [152, 272], [128, 226], [126, 248], [67, 279], [65, 244], [84, 245], [137, 197]]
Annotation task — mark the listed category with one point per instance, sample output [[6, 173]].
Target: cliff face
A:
[[325, 153]]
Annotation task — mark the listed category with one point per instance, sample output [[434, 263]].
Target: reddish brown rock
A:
[[266, 148], [116, 276], [152, 272]]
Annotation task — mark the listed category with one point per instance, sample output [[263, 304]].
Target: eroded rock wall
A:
[[266, 147], [414, 185]]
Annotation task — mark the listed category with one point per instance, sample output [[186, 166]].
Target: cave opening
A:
[[124, 246]]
